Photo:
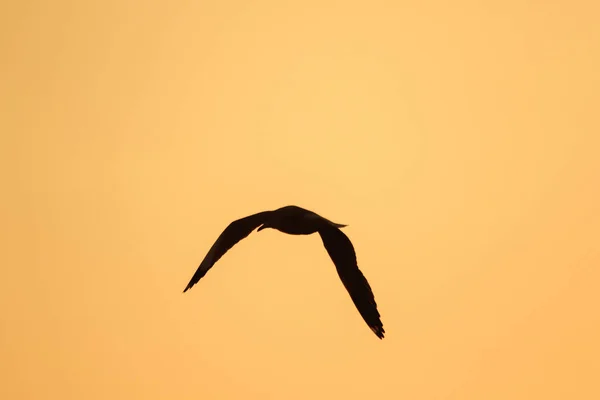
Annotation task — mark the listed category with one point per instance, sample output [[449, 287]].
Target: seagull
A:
[[295, 220]]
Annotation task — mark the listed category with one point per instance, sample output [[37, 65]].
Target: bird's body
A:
[[295, 220]]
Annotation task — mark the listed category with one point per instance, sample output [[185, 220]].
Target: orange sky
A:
[[459, 142]]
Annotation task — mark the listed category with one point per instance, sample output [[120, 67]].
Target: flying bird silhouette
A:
[[295, 220]]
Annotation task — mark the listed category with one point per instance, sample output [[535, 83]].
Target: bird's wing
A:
[[342, 254], [235, 231]]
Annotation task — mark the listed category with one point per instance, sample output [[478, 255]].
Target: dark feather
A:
[[342, 254], [235, 231]]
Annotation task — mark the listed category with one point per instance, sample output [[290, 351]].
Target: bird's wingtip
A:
[[378, 331]]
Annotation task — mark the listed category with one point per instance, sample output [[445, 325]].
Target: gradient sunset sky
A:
[[460, 142]]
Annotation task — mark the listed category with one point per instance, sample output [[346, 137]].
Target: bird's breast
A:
[[296, 226]]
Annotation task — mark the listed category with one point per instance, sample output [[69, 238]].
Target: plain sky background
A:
[[458, 140]]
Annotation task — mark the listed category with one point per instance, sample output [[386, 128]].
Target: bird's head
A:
[[270, 220], [263, 226]]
